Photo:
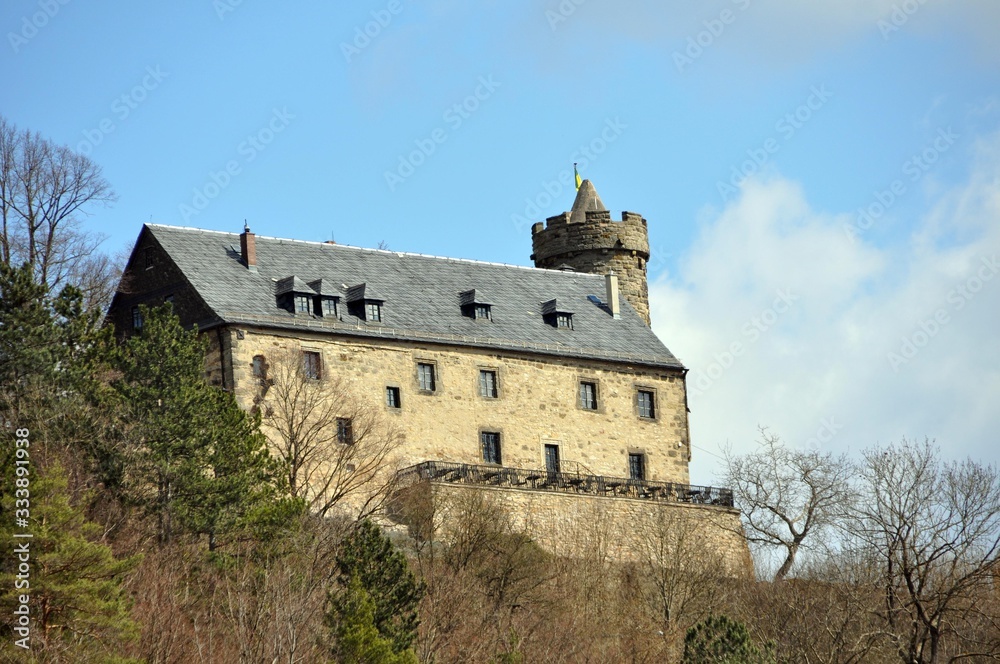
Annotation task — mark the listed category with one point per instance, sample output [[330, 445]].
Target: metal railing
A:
[[599, 485]]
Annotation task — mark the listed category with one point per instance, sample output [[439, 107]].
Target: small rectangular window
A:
[[373, 311], [488, 383], [564, 320], [136, 319], [150, 255], [425, 376], [482, 311], [329, 307], [491, 446], [259, 366], [647, 407], [637, 466], [311, 364], [168, 299], [588, 396], [302, 304], [392, 397], [345, 431]]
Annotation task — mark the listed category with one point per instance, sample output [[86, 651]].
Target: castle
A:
[[543, 386]]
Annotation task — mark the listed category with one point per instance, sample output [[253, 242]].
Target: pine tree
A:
[[721, 640], [382, 572], [359, 641]]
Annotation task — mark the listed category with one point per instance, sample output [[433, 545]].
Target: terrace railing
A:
[[543, 480]]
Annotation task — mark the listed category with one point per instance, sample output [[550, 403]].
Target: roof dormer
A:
[[365, 302], [294, 295], [475, 304], [557, 314], [327, 298]]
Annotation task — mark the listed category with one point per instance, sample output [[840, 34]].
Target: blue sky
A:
[[748, 132]]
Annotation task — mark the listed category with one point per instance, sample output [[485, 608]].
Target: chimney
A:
[[248, 248], [611, 295]]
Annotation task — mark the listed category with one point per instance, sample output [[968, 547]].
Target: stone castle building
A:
[[544, 386]]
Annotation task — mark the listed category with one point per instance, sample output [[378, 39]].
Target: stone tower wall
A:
[[598, 245]]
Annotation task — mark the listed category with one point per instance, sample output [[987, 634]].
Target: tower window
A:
[[392, 397], [491, 446], [311, 365], [488, 383], [637, 466], [646, 404], [425, 376], [345, 431], [588, 396]]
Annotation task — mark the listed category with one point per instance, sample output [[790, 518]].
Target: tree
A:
[[720, 640], [44, 191], [368, 558], [336, 447], [191, 456], [358, 639], [928, 533], [786, 494]]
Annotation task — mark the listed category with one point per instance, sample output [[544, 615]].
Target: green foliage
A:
[[382, 572], [720, 640], [359, 641], [195, 459], [77, 603]]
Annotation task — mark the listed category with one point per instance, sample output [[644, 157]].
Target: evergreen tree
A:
[[359, 641], [382, 572], [77, 605], [720, 640]]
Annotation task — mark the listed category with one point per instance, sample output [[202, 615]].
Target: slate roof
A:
[[422, 295]]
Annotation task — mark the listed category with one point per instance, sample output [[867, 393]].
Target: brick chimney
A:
[[248, 248]]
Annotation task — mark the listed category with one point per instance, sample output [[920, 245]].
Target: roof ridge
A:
[[378, 251]]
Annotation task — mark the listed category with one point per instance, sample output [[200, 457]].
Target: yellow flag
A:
[[578, 180]]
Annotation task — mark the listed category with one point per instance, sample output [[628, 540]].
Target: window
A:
[[136, 319], [345, 431], [491, 446], [169, 299], [150, 256], [302, 304], [552, 458], [425, 376], [392, 397], [373, 311], [565, 320], [311, 364], [645, 402], [588, 396], [488, 383], [329, 307], [259, 367], [481, 311], [637, 466]]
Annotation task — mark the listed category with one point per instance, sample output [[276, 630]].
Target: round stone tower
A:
[[588, 240]]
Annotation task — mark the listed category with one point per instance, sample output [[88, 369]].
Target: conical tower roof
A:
[[587, 200]]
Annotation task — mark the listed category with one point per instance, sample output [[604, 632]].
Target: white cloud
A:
[[823, 361]]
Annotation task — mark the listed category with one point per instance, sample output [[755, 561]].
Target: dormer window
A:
[[326, 298], [294, 295], [475, 305], [557, 314], [365, 302]]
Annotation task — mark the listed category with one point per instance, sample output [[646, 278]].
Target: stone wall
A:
[[537, 403], [621, 529], [598, 246]]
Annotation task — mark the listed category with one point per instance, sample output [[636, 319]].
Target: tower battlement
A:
[[587, 239]]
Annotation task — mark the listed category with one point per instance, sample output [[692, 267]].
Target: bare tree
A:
[[44, 191], [338, 447], [931, 531], [786, 494]]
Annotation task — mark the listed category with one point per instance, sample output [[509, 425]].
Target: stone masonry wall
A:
[[623, 529], [598, 246], [537, 404]]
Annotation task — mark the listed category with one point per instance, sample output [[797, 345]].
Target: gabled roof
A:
[[293, 284], [364, 292], [420, 294]]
